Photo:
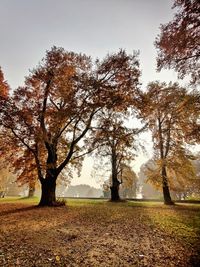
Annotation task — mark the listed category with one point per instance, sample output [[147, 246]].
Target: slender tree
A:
[[164, 110], [181, 173], [115, 142]]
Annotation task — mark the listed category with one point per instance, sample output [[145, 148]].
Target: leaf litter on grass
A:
[[95, 235]]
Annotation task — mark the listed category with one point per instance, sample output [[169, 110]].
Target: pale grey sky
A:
[[30, 27]]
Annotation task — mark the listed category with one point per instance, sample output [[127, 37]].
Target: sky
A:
[[96, 27]]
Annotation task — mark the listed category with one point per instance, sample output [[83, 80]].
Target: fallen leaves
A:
[[92, 235]]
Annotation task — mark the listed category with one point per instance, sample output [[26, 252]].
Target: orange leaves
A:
[[168, 111], [4, 88], [52, 115], [178, 43]]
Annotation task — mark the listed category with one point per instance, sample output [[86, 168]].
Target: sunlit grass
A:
[[85, 202], [25, 200], [180, 220]]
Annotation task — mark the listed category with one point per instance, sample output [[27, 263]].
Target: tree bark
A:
[[48, 185], [115, 191], [115, 183], [48, 196], [166, 192]]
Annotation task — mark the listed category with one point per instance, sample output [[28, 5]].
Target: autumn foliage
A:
[[48, 117], [71, 105], [178, 43]]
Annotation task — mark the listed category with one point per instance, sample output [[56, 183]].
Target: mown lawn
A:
[[99, 233]]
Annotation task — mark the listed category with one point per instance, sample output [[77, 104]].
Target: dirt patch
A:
[[92, 235]]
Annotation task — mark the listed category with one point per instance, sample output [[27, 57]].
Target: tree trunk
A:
[[48, 185], [115, 191], [166, 192], [115, 183], [48, 196]]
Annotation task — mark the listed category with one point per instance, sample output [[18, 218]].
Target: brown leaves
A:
[[51, 116], [92, 234], [4, 87], [178, 43], [168, 110]]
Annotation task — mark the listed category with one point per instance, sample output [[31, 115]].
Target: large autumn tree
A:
[[52, 114], [178, 43], [165, 108]]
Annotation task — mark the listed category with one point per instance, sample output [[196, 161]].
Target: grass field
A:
[[99, 233]]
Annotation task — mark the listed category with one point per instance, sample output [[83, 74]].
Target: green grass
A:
[[25, 200], [180, 220]]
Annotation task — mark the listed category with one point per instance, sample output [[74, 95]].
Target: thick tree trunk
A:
[[115, 191], [166, 192], [48, 196], [48, 185]]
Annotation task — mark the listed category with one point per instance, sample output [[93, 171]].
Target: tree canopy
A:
[[178, 43], [165, 111], [52, 114]]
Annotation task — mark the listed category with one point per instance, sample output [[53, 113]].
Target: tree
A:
[[148, 187], [178, 43], [5, 179], [20, 163], [4, 173], [164, 109], [181, 174], [128, 180], [25, 168], [194, 189], [114, 141], [191, 124], [52, 114]]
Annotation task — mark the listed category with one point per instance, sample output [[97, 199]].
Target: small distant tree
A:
[[178, 43], [149, 189], [26, 171], [128, 180], [6, 178]]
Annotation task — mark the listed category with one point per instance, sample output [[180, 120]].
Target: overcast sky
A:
[[30, 27]]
